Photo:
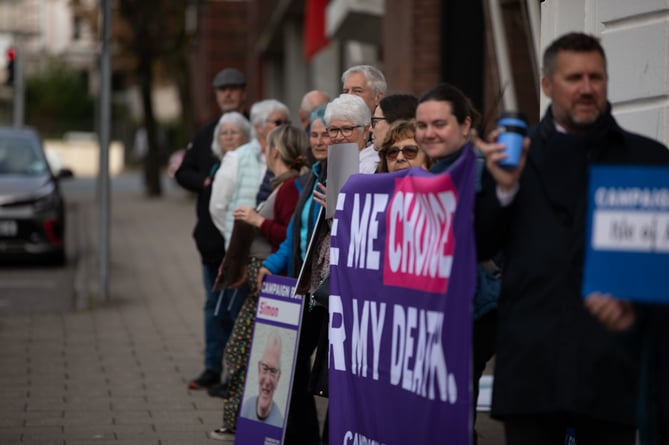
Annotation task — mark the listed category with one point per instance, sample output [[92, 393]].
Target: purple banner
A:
[[403, 266], [264, 408]]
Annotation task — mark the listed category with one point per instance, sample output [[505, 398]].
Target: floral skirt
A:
[[238, 348]]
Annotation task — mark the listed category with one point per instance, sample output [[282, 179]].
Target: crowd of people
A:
[[564, 364]]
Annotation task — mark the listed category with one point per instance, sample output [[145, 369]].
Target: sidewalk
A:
[[116, 371]]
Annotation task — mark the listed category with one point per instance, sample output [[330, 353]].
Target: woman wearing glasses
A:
[[302, 426], [400, 149], [348, 121], [390, 109]]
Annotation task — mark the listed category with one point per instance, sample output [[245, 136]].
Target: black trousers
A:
[[551, 428], [483, 341], [302, 427]]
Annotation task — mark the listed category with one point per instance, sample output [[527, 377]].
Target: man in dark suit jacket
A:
[[557, 367], [196, 173]]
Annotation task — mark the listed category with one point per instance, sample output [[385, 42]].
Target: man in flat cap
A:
[[230, 87], [196, 174]]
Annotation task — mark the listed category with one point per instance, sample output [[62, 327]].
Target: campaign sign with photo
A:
[[403, 264], [627, 241], [264, 407]]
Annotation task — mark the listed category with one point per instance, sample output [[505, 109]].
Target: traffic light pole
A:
[[19, 89]]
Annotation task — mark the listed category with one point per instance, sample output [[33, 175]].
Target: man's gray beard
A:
[[584, 125]]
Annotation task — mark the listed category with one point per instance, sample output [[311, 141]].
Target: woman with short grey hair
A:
[[348, 107], [348, 121]]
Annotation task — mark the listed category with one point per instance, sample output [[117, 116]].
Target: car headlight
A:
[[47, 201]]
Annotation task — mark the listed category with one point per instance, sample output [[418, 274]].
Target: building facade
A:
[[418, 43]]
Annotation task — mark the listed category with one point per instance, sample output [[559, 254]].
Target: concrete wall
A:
[[83, 156], [635, 35]]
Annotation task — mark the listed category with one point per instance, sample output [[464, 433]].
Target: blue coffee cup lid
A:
[[513, 118], [513, 122]]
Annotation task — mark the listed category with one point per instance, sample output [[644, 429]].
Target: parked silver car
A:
[[32, 209]]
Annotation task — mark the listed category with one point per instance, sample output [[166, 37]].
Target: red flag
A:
[[314, 27]]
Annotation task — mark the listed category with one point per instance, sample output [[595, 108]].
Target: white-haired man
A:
[[368, 83]]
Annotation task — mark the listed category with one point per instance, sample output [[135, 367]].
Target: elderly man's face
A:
[[357, 84], [230, 98], [269, 373]]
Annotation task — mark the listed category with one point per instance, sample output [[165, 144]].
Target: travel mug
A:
[[512, 128]]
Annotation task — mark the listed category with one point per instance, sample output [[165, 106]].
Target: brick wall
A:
[[411, 51], [427, 53], [257, 16], [411, 48], [221, 42]]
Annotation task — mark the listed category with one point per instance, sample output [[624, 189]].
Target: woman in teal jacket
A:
[[302, 424]]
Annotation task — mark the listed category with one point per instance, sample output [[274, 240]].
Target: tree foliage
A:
[[57, 100], [155, 41]]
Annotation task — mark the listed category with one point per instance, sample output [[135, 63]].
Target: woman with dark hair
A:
[[286, 158], [444, 121], [390, 109]]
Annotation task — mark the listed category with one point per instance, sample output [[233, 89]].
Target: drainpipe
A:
[[502, 54]]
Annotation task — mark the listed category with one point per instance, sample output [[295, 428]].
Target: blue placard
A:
[[271, 364], [627, 239]]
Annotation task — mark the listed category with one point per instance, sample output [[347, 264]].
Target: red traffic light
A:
[[11, 55]]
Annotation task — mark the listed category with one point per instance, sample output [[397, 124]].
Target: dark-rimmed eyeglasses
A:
[[266, 369], [408, 151], [377, 119], [345, 131], [279, 122]]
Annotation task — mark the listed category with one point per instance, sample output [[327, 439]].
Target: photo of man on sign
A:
[[264, 373]]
